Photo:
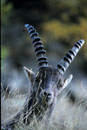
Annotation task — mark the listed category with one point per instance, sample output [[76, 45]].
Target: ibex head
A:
[[48, 82]]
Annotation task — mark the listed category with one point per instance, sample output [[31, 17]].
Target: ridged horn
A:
[[39, 48], [64, 63]]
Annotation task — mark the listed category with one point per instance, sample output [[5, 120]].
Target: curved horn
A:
[[64, 63], [39, 48]]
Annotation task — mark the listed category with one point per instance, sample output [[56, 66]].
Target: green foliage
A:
[[66, 33], [82, 8], [61, 31], [67, 11], [5, 11], [4, 52], [4, 55]]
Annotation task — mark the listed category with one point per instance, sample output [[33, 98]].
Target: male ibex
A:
[[47, 83]]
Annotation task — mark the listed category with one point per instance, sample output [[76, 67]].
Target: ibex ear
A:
[[30, 74], [67, 81]]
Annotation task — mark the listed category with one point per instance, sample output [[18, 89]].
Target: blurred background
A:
[[60, 24]]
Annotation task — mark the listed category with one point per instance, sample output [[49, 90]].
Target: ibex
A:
[[47, 83]]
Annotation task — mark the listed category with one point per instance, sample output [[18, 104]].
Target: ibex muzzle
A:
[[48, 82]]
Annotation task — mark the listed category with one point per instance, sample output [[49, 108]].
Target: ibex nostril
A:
[[45, 94], [49, 96]]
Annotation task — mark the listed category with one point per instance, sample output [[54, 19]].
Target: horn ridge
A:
[[33, 34], [40, 52], [38, 47], [64, 63], [77, 46], [66, 59], [69, 56], [37, 43], [71, 52]]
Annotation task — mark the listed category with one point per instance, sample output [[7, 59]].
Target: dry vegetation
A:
[[66, 115]]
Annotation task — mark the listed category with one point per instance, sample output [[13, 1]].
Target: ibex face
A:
[[48, 83]]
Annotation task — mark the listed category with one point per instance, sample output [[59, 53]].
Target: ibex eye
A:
[[49, 94]]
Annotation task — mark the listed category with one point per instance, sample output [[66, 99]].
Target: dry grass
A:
[[66, 116]]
